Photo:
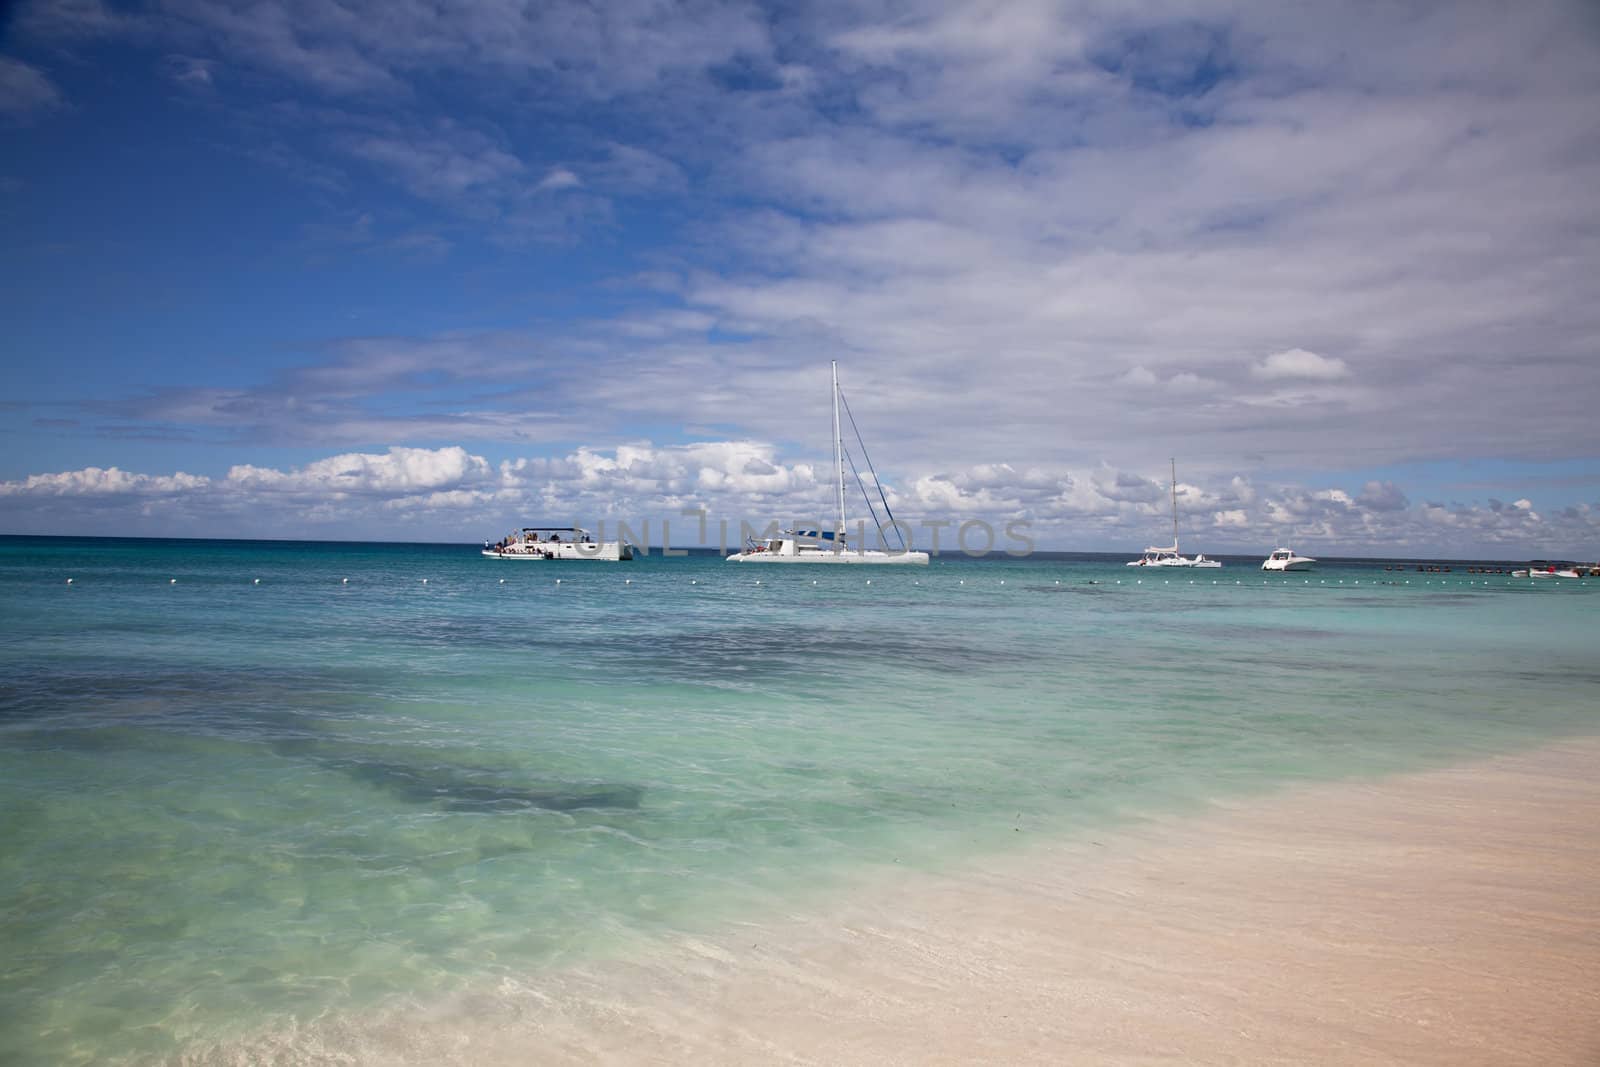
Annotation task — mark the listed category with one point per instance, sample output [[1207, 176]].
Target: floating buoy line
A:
[[1474, 583]]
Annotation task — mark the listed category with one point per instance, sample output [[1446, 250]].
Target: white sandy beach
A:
[[1445, 917]]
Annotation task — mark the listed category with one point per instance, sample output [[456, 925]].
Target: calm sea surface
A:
[[230, 807]]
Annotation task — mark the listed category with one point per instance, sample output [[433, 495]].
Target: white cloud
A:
[[1297, 363], [105, 482], [372, 47], [25, 90], [398, 472], [1187, 382], [1383, 496], [445, 161], [558, 178], [72, 19], [191, 72], [1181, 382]]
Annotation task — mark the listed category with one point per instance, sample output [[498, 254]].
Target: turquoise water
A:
[[232, 807]]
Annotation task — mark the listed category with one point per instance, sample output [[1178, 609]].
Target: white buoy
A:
[[172, 581], [1058, 581], [424, 581], [627, 581], [869, 581], [963, 581], [558, 581], [813, 581], [344, 581], [694, 581], [256, 582], [69, 581]]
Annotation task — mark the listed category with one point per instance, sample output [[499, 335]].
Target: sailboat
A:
[[830, 546], [1171, 557]]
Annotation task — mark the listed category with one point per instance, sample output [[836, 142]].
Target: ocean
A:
[[247, 788]]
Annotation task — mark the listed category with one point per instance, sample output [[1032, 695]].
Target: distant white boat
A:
[[1282, 559], [1543, 568], [1159, 557], [830, 546], [1171, 557], [527, 544]]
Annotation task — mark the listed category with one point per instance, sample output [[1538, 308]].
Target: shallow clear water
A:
[[227, 806]]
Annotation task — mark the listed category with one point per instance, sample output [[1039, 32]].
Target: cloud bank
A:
[[452, 494]]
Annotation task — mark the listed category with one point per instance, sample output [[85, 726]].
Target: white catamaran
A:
[[830, 546], [1171, 557], [577, 544]]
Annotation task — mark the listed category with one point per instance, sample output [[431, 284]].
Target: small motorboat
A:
[[1283, 559]]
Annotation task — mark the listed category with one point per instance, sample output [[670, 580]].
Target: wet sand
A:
[[1445, 917]]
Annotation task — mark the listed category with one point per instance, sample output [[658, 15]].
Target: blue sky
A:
[[425, 271]]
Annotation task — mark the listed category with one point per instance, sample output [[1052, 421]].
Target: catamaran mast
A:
[[1174, 461], [838, 456]]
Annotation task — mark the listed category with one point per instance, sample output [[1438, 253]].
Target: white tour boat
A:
[[527, 543], [831, 546], [1284, 560], [1544, 569], [1171, 557]]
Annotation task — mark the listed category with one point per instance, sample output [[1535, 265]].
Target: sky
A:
[[414, 270]]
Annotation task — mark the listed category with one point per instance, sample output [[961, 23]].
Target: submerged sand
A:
[[1446, 917]]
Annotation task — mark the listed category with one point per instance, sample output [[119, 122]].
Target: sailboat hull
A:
[[828, 557]]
